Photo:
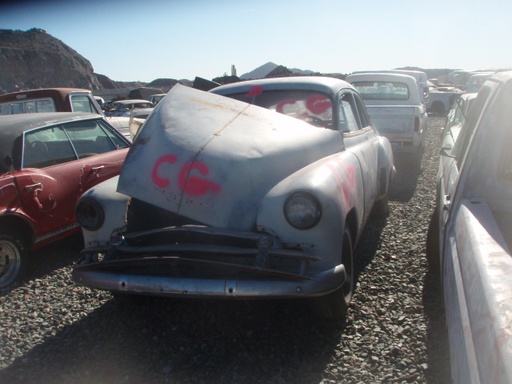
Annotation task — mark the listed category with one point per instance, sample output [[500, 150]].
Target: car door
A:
[[59, 164], [49, 183], [360, 138], [453, 152], [101, 149]]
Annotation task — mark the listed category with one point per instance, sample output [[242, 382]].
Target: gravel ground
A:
[[52, 331]]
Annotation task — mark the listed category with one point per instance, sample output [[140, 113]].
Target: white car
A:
[[395, 108], [470, 238], [132, 107], [222, 198]]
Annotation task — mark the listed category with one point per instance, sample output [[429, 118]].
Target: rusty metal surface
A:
[[224, 157]]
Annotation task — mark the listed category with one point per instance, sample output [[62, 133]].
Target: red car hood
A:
[[213, 159]]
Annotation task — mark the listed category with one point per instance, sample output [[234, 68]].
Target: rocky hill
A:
[[35, 59]]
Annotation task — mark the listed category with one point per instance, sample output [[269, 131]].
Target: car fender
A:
[[337, 183], [386, 167]]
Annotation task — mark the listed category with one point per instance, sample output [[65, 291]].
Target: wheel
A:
[[432, 246], [13, 257], [334, 305], [438, 108]]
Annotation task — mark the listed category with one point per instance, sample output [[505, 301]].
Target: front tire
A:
[[13, 257], [335, 305]]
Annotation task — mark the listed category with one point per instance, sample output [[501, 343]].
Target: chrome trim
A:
[[232, 287]]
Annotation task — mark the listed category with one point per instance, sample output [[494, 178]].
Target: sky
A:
[[145, 40]]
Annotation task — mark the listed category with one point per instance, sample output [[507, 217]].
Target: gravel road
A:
[[52, 331]]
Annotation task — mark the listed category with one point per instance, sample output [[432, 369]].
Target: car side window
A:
[[82, 103], [462, 143], [90, 138], [363, 117], [28, 106], [348, 114], [46, 147]]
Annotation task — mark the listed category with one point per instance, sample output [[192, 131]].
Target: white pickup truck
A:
[[393, 103], [469, 240]]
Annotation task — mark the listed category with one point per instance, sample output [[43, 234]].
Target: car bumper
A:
[[105, 277], [200, 261]]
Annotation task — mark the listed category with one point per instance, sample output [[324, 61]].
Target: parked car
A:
[[441, 99], [222, 198], [477, 80], [47, 160], [131, 107], [395, 108], [58, 100], [143, 93], [155, 99], [420, 76], [49, 100], [469, 239]]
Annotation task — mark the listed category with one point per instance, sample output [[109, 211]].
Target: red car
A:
[[47, 160]]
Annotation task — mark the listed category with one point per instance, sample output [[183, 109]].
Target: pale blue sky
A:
[[147, 39]]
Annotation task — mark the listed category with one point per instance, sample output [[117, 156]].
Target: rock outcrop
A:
[[35, 59]]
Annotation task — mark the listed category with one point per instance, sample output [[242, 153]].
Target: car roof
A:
[[502, 77], [12, 127], [382, 76], [132, 101], [323, 84], [41, 92]]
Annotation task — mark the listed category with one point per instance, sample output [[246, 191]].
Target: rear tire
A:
[[335, 305], [13, 257]]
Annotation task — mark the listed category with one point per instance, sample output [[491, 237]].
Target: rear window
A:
[[382, 90], [28, 106]]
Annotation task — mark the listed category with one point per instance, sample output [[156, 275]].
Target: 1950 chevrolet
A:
[[219, 197]]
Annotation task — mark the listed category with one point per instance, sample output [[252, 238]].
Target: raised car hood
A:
[[213, 159]]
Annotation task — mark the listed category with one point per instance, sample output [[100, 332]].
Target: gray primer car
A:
[[222, 198]]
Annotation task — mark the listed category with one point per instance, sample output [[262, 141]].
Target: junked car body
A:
[[469, 238], [58, 100], [420, 76], [476, 81], [223, 198], [441, 99], [395, 108], [132, 107], [47, 160]]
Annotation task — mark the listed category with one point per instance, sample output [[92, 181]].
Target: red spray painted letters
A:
[[188, 183]]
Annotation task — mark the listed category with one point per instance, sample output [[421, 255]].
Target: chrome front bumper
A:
[[102, 278], [201, 261]]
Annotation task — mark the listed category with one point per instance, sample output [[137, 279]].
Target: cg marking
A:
[[188, 180]]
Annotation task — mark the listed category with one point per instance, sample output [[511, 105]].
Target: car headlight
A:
[[90, 214], [302, 210]]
